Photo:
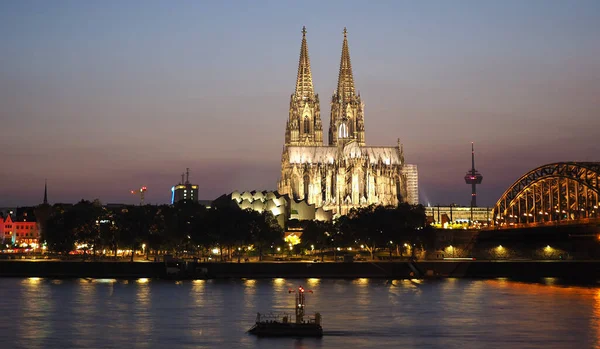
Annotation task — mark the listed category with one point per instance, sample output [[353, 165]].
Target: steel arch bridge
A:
[[558, 193]]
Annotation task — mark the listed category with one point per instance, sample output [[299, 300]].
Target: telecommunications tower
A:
[[473, 178]]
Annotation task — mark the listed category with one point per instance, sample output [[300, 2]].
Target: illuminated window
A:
[[343, 132]]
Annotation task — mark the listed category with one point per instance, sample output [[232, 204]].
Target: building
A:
[[412, 184], [453, 216], [282, 207], [184, 190], [21, 230], [22, 226], [345, 173]]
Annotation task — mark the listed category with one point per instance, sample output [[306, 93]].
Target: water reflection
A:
[[595, 320], [356, 313], [83, 310], [33, 280], [313, 282], [34, 309], [197, 293], [142, 310], [361, 282]]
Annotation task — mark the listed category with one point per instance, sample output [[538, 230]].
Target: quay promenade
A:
[[588, 271]]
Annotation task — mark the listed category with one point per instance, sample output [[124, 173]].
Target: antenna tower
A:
[[473, 178]]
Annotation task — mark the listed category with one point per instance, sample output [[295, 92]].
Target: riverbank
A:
[[581, 270]]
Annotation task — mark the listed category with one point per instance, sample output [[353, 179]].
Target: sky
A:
[[102, 97]]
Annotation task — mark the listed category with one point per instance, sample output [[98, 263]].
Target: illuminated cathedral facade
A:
[[346, 173]]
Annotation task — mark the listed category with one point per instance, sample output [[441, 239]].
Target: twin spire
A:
[[304, 83], [304, 125]]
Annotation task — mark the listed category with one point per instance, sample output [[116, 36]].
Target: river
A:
[[361, 313]]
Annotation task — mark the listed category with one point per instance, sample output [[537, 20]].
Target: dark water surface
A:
[[362, 313]]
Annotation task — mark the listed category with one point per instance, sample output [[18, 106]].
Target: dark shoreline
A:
[[580, 271]]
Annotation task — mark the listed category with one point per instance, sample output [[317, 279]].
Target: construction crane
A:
[[141, 192]]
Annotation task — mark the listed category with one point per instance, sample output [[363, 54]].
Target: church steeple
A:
[[304, 124], [304, 83], [45, 192], [345, 88], [347, 110]]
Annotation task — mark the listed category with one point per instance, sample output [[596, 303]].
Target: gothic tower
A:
[[304, 124], [346, 173], [347, 110], [42, 213]]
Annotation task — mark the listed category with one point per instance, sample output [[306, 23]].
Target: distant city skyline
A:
[[101, 98]]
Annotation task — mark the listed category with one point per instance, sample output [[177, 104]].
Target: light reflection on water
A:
[[360, 313]]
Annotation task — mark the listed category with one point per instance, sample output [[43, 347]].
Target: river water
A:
[[362, 313]]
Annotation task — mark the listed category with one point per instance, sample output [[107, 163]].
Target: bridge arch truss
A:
[[558, 192]]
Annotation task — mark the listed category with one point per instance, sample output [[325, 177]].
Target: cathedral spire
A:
[[345, 88], [45, 191], [304, 83], [304, 124]]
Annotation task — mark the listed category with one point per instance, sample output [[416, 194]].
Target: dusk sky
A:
[[101, 97]]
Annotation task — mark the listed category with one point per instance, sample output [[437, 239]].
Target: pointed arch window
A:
[[306, 125], [343, 131]]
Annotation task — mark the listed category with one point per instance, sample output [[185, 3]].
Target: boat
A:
[[280, 325]]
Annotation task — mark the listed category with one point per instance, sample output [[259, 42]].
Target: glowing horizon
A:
[[101, 98]]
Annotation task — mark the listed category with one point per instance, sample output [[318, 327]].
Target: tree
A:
[[265, 231], [109, 234], [58, 234], [84, 219], [134, 223], [316, 233], [222, 224], [158, 233], [364, 225]]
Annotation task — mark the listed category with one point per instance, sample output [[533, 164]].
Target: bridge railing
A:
[[581, 221]]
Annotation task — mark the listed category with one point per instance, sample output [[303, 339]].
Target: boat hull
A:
[[278, 329]]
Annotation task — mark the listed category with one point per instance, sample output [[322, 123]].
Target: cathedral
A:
[[346, 173]]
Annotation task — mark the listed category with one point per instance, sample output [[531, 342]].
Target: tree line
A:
[[397, 230], [191, 228]]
